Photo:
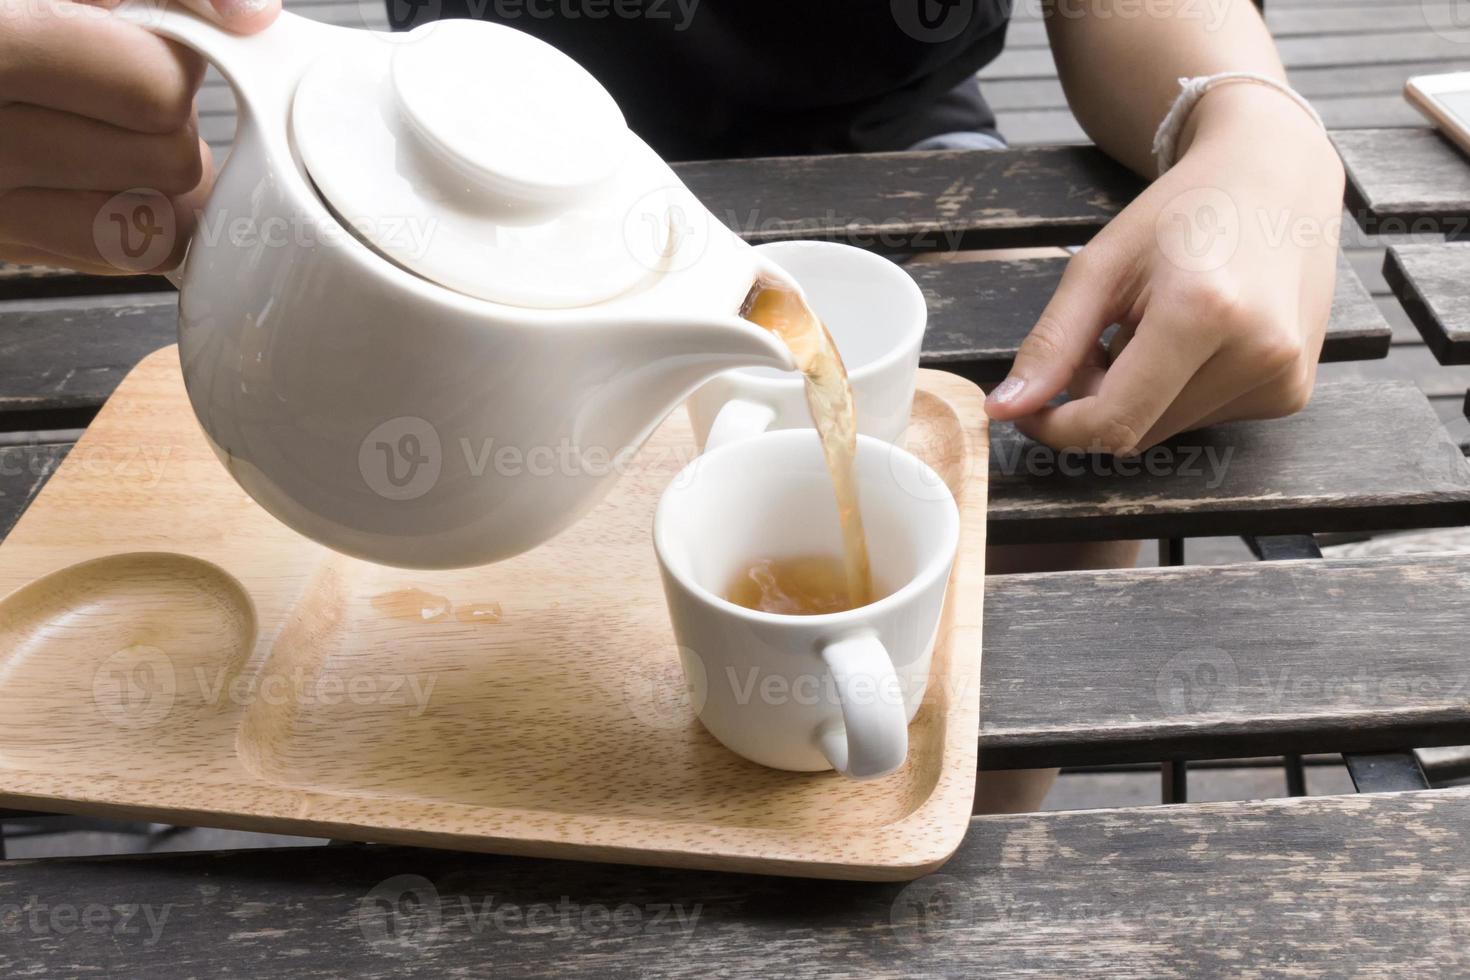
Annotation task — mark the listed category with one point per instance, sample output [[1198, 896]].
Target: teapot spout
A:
[[697, 288], [736, 342], [652, 365], [665, 361]]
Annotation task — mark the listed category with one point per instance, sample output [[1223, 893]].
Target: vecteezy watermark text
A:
[[404, 457], [1023, 457], [408, 913], [680, 12], [37, 918], [131, 466], [139, 687], [1209, 678]]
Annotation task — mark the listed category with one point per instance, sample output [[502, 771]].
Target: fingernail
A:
[[1007, 391], [240, 8]]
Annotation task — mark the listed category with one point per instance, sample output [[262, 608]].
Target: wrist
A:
[[1244, 115]]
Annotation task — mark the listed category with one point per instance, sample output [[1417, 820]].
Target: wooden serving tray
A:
[[170, 652]]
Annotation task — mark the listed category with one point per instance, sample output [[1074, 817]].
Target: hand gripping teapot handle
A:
[[263, 68]]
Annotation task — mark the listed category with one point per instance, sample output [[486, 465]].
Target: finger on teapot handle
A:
[[240, 16], [246, 16]]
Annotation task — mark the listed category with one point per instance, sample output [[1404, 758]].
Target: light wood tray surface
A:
[[170, 652]]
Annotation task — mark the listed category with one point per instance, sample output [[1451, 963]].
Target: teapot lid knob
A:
[[507, 111], [481, 158]]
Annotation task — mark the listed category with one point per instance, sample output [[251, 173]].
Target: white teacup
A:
[[876, 315], [806, 693]]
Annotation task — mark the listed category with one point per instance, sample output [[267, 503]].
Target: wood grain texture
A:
[[1363, 455], [1027, 27], [1445, 762], [1225, 661], [1360, 456], [1413, 364], [902, 202], [1013, 98], [1423, 43], [891, 202], [1433, 284], [1080, 668], [1405, 180], [1336, 19], [72, 354], [1368, 886], [24, 469], [1058, 125], [169, 651]]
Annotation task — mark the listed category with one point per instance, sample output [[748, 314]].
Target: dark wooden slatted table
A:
[[1428, 190], [1405, 181], [1277, 657], [1338, 465], [1334, 886], [65, 356], [1433, 284], [1335, 467], [1229, 661]]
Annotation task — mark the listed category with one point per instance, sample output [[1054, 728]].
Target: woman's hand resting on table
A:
[[1220, 276], [94, 108]]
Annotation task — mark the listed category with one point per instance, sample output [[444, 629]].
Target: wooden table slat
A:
[[1405, 181], [1433, 284], [892, 202], [901, 202], [24, 469], [70, 355], [1361, 455], [1345, 885], [1226, 661]]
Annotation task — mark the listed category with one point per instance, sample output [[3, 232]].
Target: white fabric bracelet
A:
[[1191, 90]]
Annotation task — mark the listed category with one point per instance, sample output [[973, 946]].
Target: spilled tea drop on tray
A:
[[478, 612], [413, 605]]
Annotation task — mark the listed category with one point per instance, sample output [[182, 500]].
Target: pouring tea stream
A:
[[440, 291]]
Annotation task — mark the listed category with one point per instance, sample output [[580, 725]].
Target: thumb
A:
[[1062, 341]]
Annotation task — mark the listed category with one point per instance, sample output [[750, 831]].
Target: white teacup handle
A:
[[739, 418], [873, 739]]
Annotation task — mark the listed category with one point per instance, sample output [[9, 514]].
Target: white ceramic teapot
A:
[[440, 290]]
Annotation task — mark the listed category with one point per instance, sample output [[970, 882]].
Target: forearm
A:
[[1120, 62]]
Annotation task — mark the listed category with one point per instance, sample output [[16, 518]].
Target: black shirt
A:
[[700, 79]]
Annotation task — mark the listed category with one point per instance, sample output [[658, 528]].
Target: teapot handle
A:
[[262, 68]]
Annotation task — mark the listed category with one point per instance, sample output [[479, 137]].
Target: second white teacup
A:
[[876, 315]]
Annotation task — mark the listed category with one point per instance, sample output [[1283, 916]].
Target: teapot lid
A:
[[485, 160]]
